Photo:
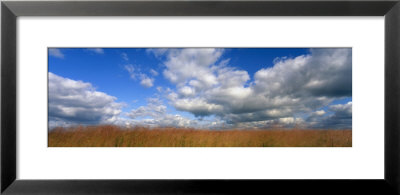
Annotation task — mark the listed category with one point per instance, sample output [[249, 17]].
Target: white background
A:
[[362, 161]]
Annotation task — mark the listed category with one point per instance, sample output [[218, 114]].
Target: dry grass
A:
[[114, 136]]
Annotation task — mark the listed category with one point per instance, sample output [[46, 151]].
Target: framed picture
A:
[[133, 104]]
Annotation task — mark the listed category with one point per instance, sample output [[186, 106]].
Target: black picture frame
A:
[[10, 10]]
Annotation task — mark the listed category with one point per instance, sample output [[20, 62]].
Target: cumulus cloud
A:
[[155, 114], [207, 86], [319, 112], [338, 117], [197, 106], [154, 108], [279, 123], [135, 74], [56, 53], [131, 70], [77, 102], [146, 81], [153, 72], [187, 91], [96, 50], [158, 52], [296, 92], [194, 63], [325, 72], [342, 117]]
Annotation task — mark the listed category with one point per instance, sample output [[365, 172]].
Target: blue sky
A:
[[212, 88]]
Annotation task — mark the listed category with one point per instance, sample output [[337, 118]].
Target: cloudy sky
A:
[[208, 88]]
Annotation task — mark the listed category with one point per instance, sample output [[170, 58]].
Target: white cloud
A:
[[153, 72], [96, 50], [207, 86], [56, 53], [193, 63], [146, 81], [279, 123], [197, 106], [158, 52], [187, 91], [155, 114], [319, 112], [131, 70], [77, 102], [135, 74], [343, 108], [325, 72], [338, 117], [154, 108]]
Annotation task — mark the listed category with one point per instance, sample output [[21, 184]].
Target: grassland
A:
[[114, 136]]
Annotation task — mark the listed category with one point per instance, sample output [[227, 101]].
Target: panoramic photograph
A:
[[199, 97]]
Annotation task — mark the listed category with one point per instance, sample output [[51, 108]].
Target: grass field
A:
[[114, 136]]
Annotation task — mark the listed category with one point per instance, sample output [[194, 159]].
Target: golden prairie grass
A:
[[114, 136]]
